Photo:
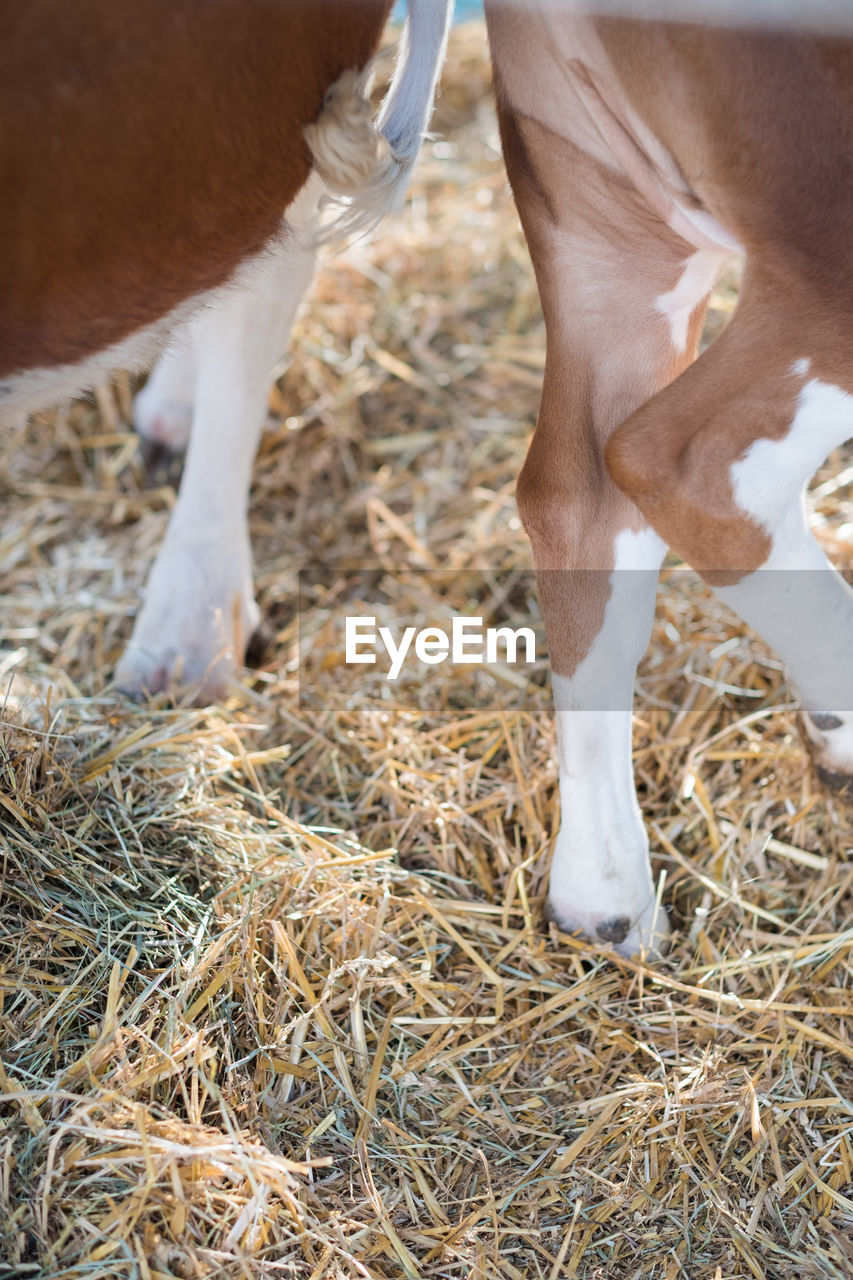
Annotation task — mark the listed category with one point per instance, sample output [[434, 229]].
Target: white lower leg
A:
[[199, 609], [803, 608], [797, 601], [601, 883], [163, 409]]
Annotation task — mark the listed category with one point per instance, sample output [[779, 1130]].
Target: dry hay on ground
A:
[[277, 995]]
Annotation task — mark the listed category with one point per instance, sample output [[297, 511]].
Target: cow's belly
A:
[[38, 388]]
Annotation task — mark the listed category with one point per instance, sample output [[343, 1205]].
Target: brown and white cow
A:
[[641, 155], [159, 192]]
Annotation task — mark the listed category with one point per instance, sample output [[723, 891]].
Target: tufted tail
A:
[[365, 164]]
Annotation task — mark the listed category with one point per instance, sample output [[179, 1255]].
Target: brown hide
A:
[[146, 148], [761, 127]]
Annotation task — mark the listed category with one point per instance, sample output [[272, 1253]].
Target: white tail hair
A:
[[365, 164]]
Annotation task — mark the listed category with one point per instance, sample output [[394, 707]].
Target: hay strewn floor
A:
[[277, 996]]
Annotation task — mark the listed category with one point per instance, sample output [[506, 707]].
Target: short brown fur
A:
[[146, 149], [772, 158]]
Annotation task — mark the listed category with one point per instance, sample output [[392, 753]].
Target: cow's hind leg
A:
[[796, 600], [199, 611], [623, 299], [163, 409], [718, 463]]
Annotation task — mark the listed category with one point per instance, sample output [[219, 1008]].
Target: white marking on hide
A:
[[605, 676], [696, 281], [800, 368], [32, 389], [797, 601], [773, 472], [600, 872]]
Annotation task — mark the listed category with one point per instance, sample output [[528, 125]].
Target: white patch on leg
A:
[[199, 610], [696, 281], [773, 471], [797, 601], [601, 882]]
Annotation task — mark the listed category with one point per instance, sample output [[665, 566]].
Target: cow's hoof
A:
[[833, 780], [196, 620], [142, 674], [260, 646], [163, 464], [645, 933], [829, 738]]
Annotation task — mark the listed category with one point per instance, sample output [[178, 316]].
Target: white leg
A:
[[800, 605], [163, 409], [601, 883], [199, 609]]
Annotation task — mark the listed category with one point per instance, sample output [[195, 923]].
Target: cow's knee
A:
[[547, 507], [673, 459]]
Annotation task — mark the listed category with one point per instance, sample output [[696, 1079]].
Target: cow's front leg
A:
[[597, 567], [601, 880], [199, 610], [623, 299]]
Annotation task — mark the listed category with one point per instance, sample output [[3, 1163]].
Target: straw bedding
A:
[[276, 993]]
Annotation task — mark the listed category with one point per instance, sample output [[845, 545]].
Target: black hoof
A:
[[614, 930], [826, 723], [162, 464], [260, 646], [840, 783]]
